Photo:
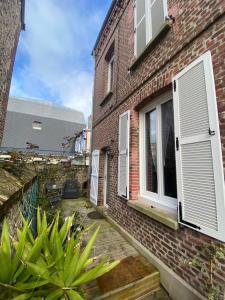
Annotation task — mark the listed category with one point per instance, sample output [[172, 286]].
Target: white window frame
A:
[[148, 23], [159, 197], [110, 75]]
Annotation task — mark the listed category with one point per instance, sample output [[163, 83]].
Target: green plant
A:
[[207, 262], [51, 266], [15, 167]]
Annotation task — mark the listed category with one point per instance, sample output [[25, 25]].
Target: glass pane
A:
[[168, 150], [151, 152], [140, 10]]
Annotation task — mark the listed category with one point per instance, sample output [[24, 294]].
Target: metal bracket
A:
[[174, 86], [177, 144], [211, 132], [185, 222]]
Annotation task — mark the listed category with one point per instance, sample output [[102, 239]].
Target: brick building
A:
[[159, 131], [11, 23]]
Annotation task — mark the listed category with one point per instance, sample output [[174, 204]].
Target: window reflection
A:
[[151, 152], [168, 150]]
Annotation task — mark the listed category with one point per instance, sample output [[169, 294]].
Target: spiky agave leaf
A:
[[5, 254], [65, 229], [74, 295], [100, 269], [19, 249], [86, 252]]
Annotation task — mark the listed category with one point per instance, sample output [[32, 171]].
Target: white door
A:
[[94, 177], [106, 179]]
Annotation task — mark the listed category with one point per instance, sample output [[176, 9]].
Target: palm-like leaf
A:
[[52, 265]]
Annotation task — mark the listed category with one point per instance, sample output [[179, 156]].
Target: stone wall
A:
[[59, 174], [18, 195], [10, 27]]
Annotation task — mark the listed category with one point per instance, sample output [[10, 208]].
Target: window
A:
[[149, 18], [158, 164], [109, 58], [110, 75], [37, 125]]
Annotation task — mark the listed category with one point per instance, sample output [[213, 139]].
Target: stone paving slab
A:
[[109, 241]]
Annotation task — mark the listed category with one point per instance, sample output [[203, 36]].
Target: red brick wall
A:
[[199, 26], [10, 26]]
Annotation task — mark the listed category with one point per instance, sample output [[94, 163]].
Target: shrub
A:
[[51, 266]]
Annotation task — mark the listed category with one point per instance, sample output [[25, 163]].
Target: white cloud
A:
[[56, 47], [76, 90]]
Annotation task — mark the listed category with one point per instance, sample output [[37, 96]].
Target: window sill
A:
[[157, 212], [106, 98], [164, 29]]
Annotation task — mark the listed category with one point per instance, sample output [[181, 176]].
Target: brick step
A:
[[133, 278]]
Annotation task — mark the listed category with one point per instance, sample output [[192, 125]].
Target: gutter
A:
[[113, 4], [23, 26]]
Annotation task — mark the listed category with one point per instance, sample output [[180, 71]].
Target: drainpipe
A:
[[22, 15]]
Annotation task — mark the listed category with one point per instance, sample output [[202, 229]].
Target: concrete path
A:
[[109, 242]]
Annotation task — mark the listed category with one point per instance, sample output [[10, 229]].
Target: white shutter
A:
[[200, 177], [140, 26], [94, 176], [123, 160], [158, 13]]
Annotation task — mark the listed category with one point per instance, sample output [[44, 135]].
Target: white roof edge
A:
[[44, 108]]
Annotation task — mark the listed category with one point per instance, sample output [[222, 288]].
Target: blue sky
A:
[[53, 58]]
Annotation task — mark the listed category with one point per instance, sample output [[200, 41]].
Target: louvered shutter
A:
[[158, 12], [140, 26], [123, 160], [94, 176], [200, 177]]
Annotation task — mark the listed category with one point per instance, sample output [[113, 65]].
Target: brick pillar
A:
[[134, 155]]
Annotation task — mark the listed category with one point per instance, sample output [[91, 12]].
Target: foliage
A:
[[14, 167], [208, 261], [52, 265], [48, 174]]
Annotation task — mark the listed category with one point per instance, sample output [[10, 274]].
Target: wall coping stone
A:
[[161, 214], [12, 187]]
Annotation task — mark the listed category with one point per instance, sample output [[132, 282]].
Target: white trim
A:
[[128, 153], [156, 197], [94, 194], [110, 75], [106, 169], [148, 21], [135, 28]]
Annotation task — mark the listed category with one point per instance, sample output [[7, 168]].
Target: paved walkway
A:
[[109, 241]]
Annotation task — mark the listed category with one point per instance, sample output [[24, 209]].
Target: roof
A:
[[113, 4], [45, 109]]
